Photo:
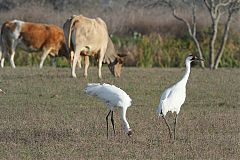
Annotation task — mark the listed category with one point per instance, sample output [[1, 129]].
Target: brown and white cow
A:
[[89, 37], [32, 37]]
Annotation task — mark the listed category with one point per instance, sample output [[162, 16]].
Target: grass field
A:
[[45, 114]]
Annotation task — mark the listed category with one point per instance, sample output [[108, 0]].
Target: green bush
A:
[[155, 51], [152, 50]]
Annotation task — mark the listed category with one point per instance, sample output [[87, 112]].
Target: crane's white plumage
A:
[[113, 97], [172, 99], [110, 94], [174, 96]]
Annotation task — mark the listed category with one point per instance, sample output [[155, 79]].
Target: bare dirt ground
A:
[[45, 114]]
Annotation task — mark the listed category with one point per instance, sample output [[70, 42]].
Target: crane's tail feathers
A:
[[93, 84]]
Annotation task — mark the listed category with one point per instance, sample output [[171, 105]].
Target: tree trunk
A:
[[223, 42], [199, 51], [212, 44]]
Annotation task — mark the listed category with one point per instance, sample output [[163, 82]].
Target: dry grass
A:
[[119, 18], [46, 115]]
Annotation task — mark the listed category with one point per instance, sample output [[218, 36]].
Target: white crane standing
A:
[[113, 97], [174, 96]]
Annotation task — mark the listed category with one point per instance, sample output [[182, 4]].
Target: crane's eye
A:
[[193, 58]]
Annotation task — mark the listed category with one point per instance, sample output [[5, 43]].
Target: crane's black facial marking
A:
[[193, 58]]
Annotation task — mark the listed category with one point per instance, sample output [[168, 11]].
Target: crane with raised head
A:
[[174, 96]]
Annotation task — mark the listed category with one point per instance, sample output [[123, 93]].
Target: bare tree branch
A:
[[183, 20], [223, 42], [207, 4], [194, 18], [191, 29], [216, 11], [222, 4], [233, 8], [216, 8]]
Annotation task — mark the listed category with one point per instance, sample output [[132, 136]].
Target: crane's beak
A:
[[2, 92], [129, 133], [199, 59]]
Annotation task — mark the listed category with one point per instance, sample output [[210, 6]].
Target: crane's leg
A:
[[175, 124], [169, 129], [107, 121], [112, 120]]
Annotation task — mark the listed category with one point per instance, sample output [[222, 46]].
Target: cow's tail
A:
[[1, 53], [74, 18], [1, 44], [0, 49]]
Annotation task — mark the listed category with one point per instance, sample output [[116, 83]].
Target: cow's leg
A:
[[71, 58], [11, 49], [44, 56], [79, 62], [12, 58], [2, 58], [53, 61], [86, 65], [4, 54], [75, 59], [0, 51], [100, 60], [2, 62]]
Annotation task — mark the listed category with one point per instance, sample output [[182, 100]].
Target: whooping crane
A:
[[113, 97], [174, 96]]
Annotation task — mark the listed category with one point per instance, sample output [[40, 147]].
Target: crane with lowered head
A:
[[113, 97]]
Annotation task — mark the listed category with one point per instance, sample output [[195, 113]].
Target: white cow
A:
[[89, 37]]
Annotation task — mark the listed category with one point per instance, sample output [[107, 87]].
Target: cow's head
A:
[[63, 51], [116, 66]]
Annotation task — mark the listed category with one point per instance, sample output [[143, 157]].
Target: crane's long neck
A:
[[187, 73], [126, 125]]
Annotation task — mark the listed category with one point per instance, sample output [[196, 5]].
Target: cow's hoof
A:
[[74, 75]]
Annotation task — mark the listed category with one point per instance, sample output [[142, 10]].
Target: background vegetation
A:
[[151, 36]]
